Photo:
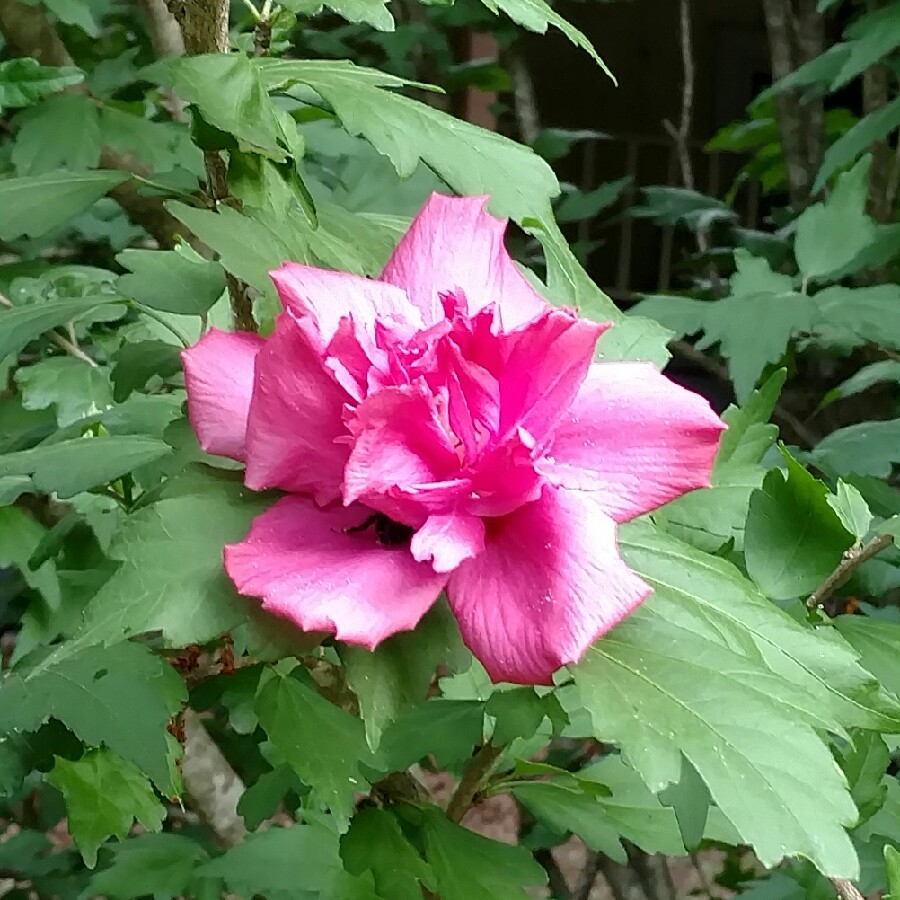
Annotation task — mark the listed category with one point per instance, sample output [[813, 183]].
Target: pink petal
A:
[[400, 443], [544, 365], [295, 424], [549, 582], [448, 540], [636, 438], [299, 559], [218, 373], [320, 298], [452, 246]]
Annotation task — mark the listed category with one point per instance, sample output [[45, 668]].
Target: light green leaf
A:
[[172, 579], [38, 149], [749, 434], [851, 316], [470, 867], [22, 324], [853, 143], [535, 15], [709, 669], [892, 864], [169, 281], [104, 796], [865, 762], [33, 205], [793, 538], [121, 696], [398, 672], [298, 863], [866, 377], [160, 865], [851, 508], [25, 80], [299, 722], [682, 315], [578, 205], [470, 159], [830, 234], [868, 448], [371, 12], [75, 465], [73, 387], [635, 337], [376, 843], [878, 646], [75, 12], [872, 37]]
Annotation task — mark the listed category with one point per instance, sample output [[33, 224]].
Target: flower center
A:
[[388, 533]]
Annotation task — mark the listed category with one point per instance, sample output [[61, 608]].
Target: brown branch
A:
[[162, 28], [850, 562], [876, 94], [478, 768], [811, 44], [528, 121], [846, 889]]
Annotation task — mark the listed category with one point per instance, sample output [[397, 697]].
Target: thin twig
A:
[[846, 889], [478, 768], [63, 343], [851, 561]]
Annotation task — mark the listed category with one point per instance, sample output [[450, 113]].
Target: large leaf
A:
[[22, 324], [299, 723], [793, 537], [470, 159], [831, 234], [172, 579], [34, 204], [872, 37], [24, 80], [170, 281], [878, 646], [710, 669], [104, 795], [38, 149], [120, 696], [868, 448], [79, 464], [371, 12]]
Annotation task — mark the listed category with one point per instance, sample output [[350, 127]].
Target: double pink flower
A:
[[444, 428]]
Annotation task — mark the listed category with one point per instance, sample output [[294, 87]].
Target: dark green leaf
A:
[[299, 723], [878, 646], [793, 539], [375, 843], [170, 281], [134, 364], [371, 12], [892, 864], [38, 150], [869, 448], [104, 796], [865, 762]]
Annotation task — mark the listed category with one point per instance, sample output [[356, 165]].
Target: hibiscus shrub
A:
[[315, 502]]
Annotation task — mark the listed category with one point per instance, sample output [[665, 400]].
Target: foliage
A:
[[726, 712]]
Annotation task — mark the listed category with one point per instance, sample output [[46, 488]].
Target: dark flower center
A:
[[388, 533]]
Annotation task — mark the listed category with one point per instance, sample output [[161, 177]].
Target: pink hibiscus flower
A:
[[444, 429]]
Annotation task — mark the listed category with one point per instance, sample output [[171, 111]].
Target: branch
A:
[[846, 889], [479, 766], [211, 783], [682, 134], [851, 561], [162, 27], [876, 91]]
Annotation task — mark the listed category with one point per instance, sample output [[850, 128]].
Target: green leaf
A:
[[398, 672], [25, 80], [22, 324], [20, 536], [371, 12], [104, 796], [851, 509], [375, 843], [75, 12], [134, 364], [519, 713], [262, 799], [878, 646], [793, 539], [121, 696], [892, 864], [749, 434], [298, 863], [35, 204], [864, 762], [868, 448], [872, 37], [535, 15], [689, 800], [887, 370], [73, 387], [470, 867], [448, 729], [850, 316], [635, 337], [75, 465], [169, 281], [853, 143], [578, 205], [171, 577], [38, 149], [470, 159], [299, 722], [710, 669], [830, 234], [160, 865]]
